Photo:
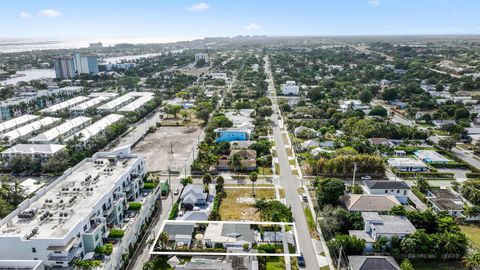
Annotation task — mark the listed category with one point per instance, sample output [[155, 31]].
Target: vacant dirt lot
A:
[[157, 147]]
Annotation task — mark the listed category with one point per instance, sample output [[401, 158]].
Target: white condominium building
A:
[[64, 105], [81, 108], [17, 122], [85, 135], [38, 152], [69, 218], [57, 133], [115, 104], [23, 132]]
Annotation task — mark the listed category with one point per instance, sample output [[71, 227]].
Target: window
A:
[[398, 190], [85, 228], [386, 191], [404, 192], [35, 259], [96, 237], [34, 250]]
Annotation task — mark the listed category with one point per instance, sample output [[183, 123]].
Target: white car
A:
[[175, 192], [366, 177]]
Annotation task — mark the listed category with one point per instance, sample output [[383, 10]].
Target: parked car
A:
[[304, 198], [175, 192], [366, 177], [301, 260]]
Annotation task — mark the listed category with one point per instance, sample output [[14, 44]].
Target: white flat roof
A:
[[406, 162], [62, 129], [66, 104], [15, 122], [430, 155], [34, 126], [89, 103], [79, 209], [116, 102], [136, 104], [29, 149], [93, 129], [103, 94]]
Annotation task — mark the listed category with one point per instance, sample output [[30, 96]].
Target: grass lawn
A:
[[472, 231], [265, 170], [292, 161], [282, 193], [311, 223], [275, 263], [232, 209], [285, 139], [277, 168], [437, 265], [289, 152]]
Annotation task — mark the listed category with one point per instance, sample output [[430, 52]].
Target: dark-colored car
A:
[[301, 260]]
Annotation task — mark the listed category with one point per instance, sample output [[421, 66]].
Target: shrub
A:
[[150, 185], [268, 248], [174, 212], [116, 233], [106, 249], [134, 206]]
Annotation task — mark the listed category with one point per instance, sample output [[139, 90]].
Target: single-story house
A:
[[372, 263], [347, 105], [290, 88], [380, 141], [248, 160], [445, 200], [400, 153], [193, 194], [399, 189], [376, 226], [306, 145], [442, 123], [229, 235], [179, 233], [305, 132], [407, 164], [370, 203], [327, 144], [429, 156]]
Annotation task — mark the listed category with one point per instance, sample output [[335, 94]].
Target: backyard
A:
[[473, 234], [238, 203]]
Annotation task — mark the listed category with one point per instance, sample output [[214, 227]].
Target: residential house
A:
[[290, 88], [429, 156], [442, 123], [445, 200], [306, 145], [376, 226], [348, 105], [235, 145], [248, 160], [232, 134], [179, 233], [193, 195], [229, 235], [380, 141], [399, 189], [305, 132], [407, 164], [38, 152], [372, 263], [370, 203]]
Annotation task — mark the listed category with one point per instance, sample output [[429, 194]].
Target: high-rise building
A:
[[65, 67], [201, 56]]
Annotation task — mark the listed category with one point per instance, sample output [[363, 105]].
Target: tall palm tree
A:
[[253, 179], [235, 162]]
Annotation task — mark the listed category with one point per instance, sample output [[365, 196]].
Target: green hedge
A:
[[174, 212], [425, 174], [150, 185], [472, 175], [106, 249], [116, 233], [451, 165], [135, 206]]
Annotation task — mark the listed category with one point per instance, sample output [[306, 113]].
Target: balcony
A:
[[73, 253]]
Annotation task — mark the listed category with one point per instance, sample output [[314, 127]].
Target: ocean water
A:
[[24, 44], [28, 75]]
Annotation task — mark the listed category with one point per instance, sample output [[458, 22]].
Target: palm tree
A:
[[253, 179], [452, 243], [163, 239], [207, 179], [235, 162], [472, 260], [149, 266]]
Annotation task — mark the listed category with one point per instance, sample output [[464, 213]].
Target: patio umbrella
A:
[[174, 261]]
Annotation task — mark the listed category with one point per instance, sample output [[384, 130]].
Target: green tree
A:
[[447, 144], [472, 259], [378, 111], [235, 162], [365, 96], [163, 239], [207, 179], [351, 245], [389, 94], [398, 210], [328, 190], [186, 181], [422, 185], [406, 265]]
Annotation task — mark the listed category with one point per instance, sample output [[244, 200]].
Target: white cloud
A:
[[252, 26], [202, 6], [374, 3], [25, 15], [49, 13]]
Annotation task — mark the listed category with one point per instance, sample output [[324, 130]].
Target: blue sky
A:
[[182, 19]]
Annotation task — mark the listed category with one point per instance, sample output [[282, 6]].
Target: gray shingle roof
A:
[[372, 263], [385, 184], [178, 229]]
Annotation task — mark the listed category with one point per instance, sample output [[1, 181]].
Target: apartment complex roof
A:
[[27, 129], [116, 102], [136, 104], [16, 122], [63, 129], [95, 128], [89, 103], [34, 149], [63, 105]]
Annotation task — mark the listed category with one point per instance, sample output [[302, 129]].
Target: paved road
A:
[[291, 184]]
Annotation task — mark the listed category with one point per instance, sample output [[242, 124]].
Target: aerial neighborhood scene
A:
[[224, 135]]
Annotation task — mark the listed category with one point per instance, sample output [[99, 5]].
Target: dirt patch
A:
[[238, 203], [168, 147]]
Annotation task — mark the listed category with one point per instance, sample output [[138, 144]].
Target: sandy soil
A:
[[157, 147]]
